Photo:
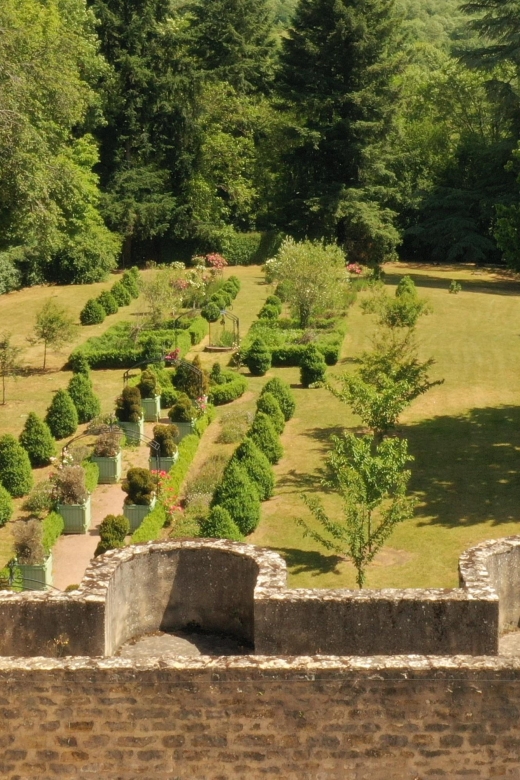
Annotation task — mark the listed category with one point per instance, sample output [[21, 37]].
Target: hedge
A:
[[234, 386], [52, 528], [151, 526], [246, 248], [198, 330], [91, 475], [292, 354]]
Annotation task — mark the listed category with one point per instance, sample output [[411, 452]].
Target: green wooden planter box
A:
[[133, 431], [185, 428], [162, 464], [136, 513], [37, 576], [151, 408], [75, 516], [109, 468]]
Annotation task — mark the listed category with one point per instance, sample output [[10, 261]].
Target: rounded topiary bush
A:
[[238, 494], [83, 397], [148, 384], [211, 312], [183, 409], [283, 394], [6, 506], [108, 302], [15, 467], [312, 366], [112, 531], [80, 364], [128, 405], [139, 485], [129, 280], [258, 358], [92, 313], [257, 466], [62, 417], [268, 312], [268, 404], [121, 294], [264, 435], [219, 525], [164, 436], [36, 439], [274, 300]]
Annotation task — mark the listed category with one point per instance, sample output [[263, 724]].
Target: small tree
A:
[[372, 482], [54, 327], [9, 360], [36, 439], [15, 467], [83, 397], [62, 417]]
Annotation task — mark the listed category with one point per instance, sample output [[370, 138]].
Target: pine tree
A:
[[36, 439], [62, 417]]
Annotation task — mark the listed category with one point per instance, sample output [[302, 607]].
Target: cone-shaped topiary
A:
[[15, 467], [6, 506], [312, 366], [108, 302], [83, 397], [92, 313], [258, 358], [36, 439], [257, 466], [62, 417], [130, 282], [121, 294], [140, 486], [219, 525], [81, 364], [283, 394], [239, 496], [265, 437], [268, 404], [128, 405]]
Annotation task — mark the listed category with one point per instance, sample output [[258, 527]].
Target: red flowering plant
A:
[[167, 495], [202, 404], [354, 268], [173, 356], [216, 261]]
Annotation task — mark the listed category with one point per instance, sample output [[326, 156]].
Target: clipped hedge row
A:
[[151, 526], [232, 388], [292, 354], [91, 475], [52, 528], [198, 330]]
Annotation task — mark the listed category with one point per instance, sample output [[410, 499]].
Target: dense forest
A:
[[135, 130]]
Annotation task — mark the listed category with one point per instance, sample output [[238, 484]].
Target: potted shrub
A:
[[183, 413], [107, 456], [129, 413], [34, 562], [139, 486], [150, 396], [72, 499], [165, 453]]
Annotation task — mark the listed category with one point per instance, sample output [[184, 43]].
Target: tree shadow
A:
[[324, 434], [467, 467], [499, 287], [298, 482], [309, 561]]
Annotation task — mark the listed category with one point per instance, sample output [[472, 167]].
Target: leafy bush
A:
[[191, 379], [264, 435], [211, 311], [108, 302], [312, 367], [91, 475], [92, 313], [406, 286], [15, 467], [108, 444], [41, 498], [455, 287], [148, 384], [62, 417], [52, 528], [130, 282], [198, 330], [183, 409], [83, 397], [112, 531], [128, 405], [121, 294], [219, 525], [234, 426], [164, 436], [257, 466], [6, 506], [28, 542], [70, 485], [274, 300], [246, 248], [220, 300], [268, 312], [239, 496], [268, 404], [283, 394], [168, 397], [232, 386], [36, 439], [258, 359], [139, 485], [81, 364], [10, 276]]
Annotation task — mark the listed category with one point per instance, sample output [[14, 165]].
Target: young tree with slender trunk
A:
[[54, 327], [9, 360]]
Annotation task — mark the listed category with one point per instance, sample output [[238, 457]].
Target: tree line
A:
[[152, 129]]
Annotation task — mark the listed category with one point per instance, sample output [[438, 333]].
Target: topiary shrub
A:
[[258, 358], [233, 387], [406, 286], [6, 506], [283, 394], [128, 405], [92, 313], [70, 485], [219, 525], [121, 294], [139, 485], [83, 397], [112, 531], [216, 375], [239, 496], [62, 417], [164, 436], [183, 409], [108, 302], [257, 466], [268, 312], [191, 379], [15, 467], [312, 367], [129, 280], [80, 365], [36, 439], [268, 404], [148, 384], [264, 435], [211, 312], [274, 300], [168, 397]]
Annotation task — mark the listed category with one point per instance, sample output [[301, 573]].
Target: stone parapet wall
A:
[[403, 718]]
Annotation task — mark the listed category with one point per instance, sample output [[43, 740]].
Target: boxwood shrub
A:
[[198, 330], [83, 397], [283, 394], [92, 313], [231, 387], [268, 404], [312, 367], [265, 437], [238, 494], [6, 506], [52, 528], [121, 294], [219, 525], [62, 417], [36, 439], [15, 467], [108, 302], [258, 358], [257, 466]]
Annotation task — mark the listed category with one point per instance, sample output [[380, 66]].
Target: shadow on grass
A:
[[499, 287], [298, 482], [467, 468], [309, 561], [323, 435]]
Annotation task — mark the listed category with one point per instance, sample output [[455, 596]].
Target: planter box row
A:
[[38, 576]]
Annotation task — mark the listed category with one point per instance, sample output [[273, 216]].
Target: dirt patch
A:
[[389, 556]]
